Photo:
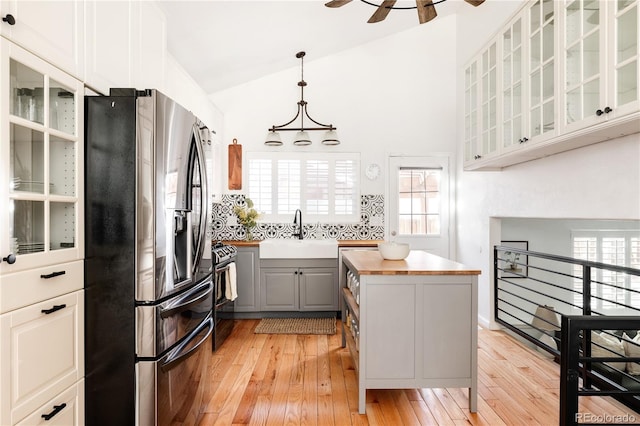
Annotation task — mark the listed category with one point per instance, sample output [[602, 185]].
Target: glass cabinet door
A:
[[43, 153], [582, 56], [624, 58], [512, 86], [488, 106], [471, 112], [541, 68]]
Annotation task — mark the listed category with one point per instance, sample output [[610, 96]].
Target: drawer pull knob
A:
[[56, 410], [11, 259], [54, 309], [53, 274], [9, 19]]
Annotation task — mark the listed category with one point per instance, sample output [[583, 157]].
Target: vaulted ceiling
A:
[[223, 43]]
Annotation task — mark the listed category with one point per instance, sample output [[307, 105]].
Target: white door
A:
[[419, 205]]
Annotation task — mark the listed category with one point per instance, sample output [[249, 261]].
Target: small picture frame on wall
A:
[[514, 265]]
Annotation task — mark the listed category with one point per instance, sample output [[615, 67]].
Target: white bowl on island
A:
[[390, 250]]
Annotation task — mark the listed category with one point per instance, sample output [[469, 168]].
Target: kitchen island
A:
[[410, 323]]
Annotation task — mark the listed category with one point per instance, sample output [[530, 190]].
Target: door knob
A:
[[11, 259], [9, 19]]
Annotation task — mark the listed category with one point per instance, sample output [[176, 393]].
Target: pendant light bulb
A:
[[273, 139], [331, 138], [302, 139]]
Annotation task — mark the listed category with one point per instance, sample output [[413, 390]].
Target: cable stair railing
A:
[[585, 314]]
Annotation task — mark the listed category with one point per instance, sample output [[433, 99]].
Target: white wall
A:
[[601, 181], [395, 95]]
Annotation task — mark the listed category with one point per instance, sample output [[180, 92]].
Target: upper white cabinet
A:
[[513, 125], [53, 30], [541, 70], [41, 162], [149, 45], [567, 77], [481, 78], [108, 44], [125, 45], [600, 49]]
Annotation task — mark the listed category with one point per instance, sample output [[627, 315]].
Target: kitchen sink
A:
[[298, 249]]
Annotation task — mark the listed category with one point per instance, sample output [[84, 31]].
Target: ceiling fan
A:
[[426, 8]]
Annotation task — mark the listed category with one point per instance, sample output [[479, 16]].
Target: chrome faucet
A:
[[297, 220]]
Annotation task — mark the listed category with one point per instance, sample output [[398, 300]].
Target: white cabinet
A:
[[52, 30], [541, 69], [41, 241], [567, 77], [41, 156], [600, 47], [108, 44], [513, 124], [149, 45], [125, 45], [65, 409], [41, 354], [481, 127]]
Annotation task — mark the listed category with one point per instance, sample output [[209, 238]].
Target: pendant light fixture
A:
[[302, 133]]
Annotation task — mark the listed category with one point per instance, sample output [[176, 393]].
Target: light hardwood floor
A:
[[310, 380]]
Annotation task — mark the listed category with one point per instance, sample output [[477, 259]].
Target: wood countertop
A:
[[341, 243], [369, 262]]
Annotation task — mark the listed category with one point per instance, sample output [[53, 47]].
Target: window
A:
[[419, 201], [621, 248], [324, 186]]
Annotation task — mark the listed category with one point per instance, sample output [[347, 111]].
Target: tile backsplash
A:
[[224, 225]]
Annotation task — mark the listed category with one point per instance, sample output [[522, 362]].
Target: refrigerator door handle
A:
[[188, 300], [179, 354], [204, 191]]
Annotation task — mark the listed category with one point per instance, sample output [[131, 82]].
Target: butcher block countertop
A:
[[370, 262]]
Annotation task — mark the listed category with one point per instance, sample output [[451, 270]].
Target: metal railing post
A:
[[569, 344]]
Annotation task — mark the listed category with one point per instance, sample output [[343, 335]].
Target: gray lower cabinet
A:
[[299, 285], [248, 280]]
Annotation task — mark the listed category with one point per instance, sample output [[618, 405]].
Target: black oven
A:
[[225, 291]]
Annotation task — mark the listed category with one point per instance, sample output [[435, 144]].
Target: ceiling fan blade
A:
[[337, 3], [382, 11], [426, 10], [475, 2]]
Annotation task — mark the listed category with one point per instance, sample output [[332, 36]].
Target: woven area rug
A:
[[296, 326]]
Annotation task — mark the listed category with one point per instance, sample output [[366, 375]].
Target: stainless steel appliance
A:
[[148, 266], [224, 261]]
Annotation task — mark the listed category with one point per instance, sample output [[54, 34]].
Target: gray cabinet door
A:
[[248, 279], [279, 289], [318, 289]]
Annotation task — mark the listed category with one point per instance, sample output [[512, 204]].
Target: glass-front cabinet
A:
[[564, 74], [471, 112], [489, 101], [541, 71], [600, 48], [513, 86], [481, 103], [41, 154]]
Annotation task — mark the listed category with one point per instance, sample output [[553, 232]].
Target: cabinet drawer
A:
[[66, 409], [27, 287], [41, 354]]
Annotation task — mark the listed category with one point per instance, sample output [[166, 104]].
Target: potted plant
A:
[[247, 217]]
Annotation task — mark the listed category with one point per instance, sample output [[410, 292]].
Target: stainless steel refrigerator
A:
[[148, 282]]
